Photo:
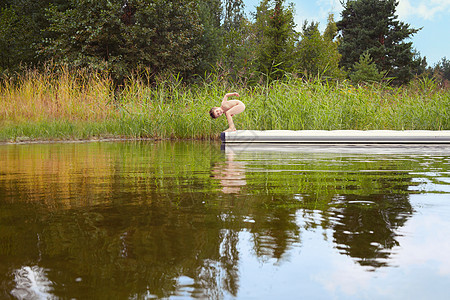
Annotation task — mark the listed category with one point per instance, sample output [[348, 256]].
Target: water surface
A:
[[180, 220]]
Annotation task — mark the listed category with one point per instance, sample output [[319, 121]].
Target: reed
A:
[[65, 104]]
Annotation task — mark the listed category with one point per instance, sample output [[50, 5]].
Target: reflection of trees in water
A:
[[130, 249], [124, 250], [139, 224], [274, 232], [367, 227], [222, 274], [364, 209], [118, 253], [229, 257]]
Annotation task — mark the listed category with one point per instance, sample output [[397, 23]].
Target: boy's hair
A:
[[211, 112]]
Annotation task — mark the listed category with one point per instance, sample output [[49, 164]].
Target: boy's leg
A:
[[236, 109], [232, 112]]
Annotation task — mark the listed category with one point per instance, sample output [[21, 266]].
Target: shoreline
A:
[[89, 140], [69, 141], [220, 137]]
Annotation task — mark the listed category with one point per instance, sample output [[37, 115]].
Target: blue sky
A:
[[433, 41]]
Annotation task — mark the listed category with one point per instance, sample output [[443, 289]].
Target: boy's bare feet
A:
[[230, 129]]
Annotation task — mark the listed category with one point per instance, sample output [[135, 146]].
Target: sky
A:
[[433, 16]]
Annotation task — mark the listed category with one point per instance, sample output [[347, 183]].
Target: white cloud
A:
[[424, 9], [330, 5], [317, 12]]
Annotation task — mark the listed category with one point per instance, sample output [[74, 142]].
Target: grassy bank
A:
[[82, 105]]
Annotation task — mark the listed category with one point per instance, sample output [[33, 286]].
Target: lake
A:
[[182, 220]]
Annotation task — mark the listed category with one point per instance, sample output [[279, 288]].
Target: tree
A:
[[371, 25], [88, 34], [421, 66], [23, 26], [443, 67], [366, 70], [210, 13], [238, 43], [9, 52], [317, 54], [276, 37], [234, 13], [104, 34]]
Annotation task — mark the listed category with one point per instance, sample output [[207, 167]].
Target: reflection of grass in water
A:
[[163, 169], [188, 168], [78, 104], [320, 186]]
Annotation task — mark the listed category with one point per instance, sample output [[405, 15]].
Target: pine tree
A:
[[371, 25], [235, 28], [366, 70], [443, 67], [234, 13], [276, 38], [317, 54], [210, 13]]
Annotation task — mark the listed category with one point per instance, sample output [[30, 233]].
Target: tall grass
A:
[[64, 104]]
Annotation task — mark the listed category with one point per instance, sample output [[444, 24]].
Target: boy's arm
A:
[[225, 98], [230, 122]]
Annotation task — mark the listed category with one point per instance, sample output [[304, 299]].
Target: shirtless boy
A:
[[229, 108]]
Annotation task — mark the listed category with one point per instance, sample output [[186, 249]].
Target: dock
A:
[[337, 136]]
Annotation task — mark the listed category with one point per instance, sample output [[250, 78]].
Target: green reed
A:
[[63, 104]]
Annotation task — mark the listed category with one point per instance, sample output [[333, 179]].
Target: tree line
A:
[[196, 37]]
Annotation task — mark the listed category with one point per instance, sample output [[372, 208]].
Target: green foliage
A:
[[366, 70], [420, 65], [317, 54], [234, 13], [371, 25], [8, 20], [88, 34], [275, 35], [23, 26], [165, 36], [238, 42], [204, 37], [160, 35], [210, 13], [443, 67], [17, 38]]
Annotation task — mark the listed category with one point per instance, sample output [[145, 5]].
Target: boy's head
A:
[[215, 112]]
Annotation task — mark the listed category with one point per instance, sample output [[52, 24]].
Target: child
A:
[[229, 108]]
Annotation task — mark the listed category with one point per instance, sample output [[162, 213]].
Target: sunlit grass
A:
[[61, 104]]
